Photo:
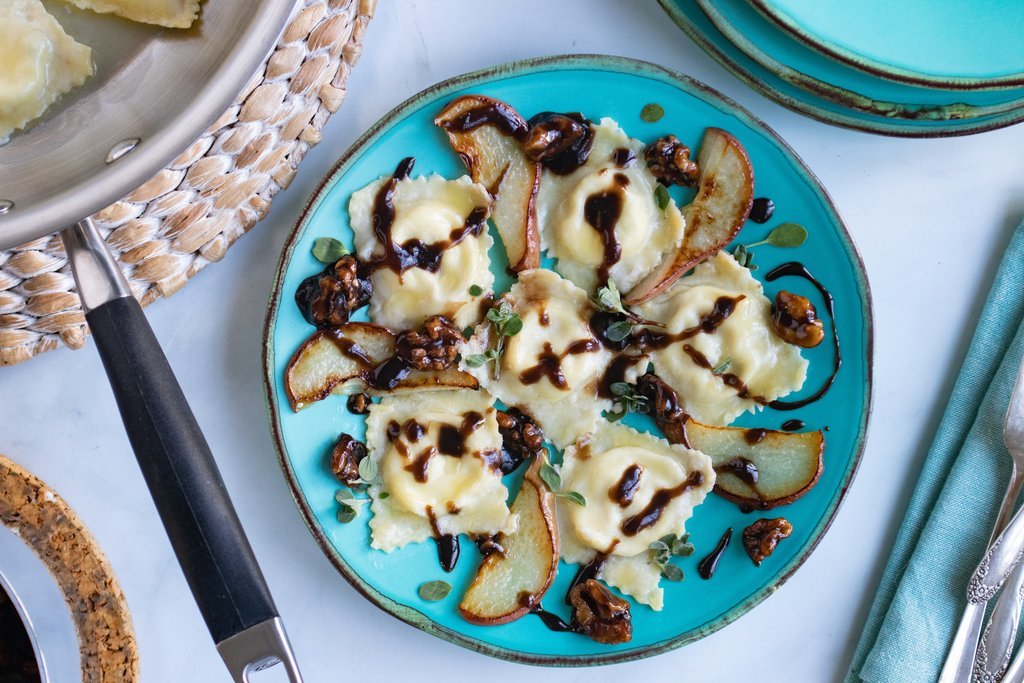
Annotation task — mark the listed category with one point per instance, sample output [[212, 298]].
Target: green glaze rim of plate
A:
[[864, 123], [844, 96], [888, 71], [613, 64]]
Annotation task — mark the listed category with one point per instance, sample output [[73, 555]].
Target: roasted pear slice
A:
[[494, 156], [339, 360], [760, 468], [508, 584], [725, 193]]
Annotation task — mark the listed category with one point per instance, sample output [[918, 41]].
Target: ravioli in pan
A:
[[717, 348], [424, 242], [554, 367], [439, 458], [638, 489], [602, 221]]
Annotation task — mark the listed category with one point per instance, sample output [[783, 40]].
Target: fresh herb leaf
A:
[[630, 401], [621, 388], [328, 249], [574, 497], [722, 366], [785, 235], [672, 572], [661, 196], [432, 591], [658, 546], [608, 298], [468, 332], [681, 547], [652, 112], [368, 470], [513, 327], [383, 495], [618, 330], [347, 498], [616, 415], [346, 514], [744, 257], [475, 290], [476, 360], [550, 476]]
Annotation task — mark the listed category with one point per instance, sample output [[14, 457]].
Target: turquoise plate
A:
[[772, 84], [597, 86], [963, 44], [761, 40]]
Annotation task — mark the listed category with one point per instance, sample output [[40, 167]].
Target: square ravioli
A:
[[554, 368], [717, 348], [169, 13], [638, 488], [425, 242], [602, 221], [439, 458], [39, 62]]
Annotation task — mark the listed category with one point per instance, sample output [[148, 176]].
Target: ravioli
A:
[[437, 252], [39, 62], [602, 221], [169, 13], [737, 365], [553, 368], [638, 488], [439, 459]]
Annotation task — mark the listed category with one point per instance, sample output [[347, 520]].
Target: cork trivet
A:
[[45, 522], [188, 214]]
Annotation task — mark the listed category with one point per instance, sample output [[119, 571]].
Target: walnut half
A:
[[599, 614], [670, 162], [761, 537], [345, 457], [436, 348], [795, 321]]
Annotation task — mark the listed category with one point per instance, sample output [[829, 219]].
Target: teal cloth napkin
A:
[[922, 594]]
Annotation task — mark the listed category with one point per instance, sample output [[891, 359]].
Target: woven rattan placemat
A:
[[189, 214], [45, 522]]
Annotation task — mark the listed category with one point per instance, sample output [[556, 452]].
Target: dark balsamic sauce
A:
[[574, 155], [452, 440], [728, 378], [623, 491], [389, 373], [447, 544], [793, 425], [623, 157], [358, 404], [724, 307], [663, 405], [761, 210], [755, 436], [497, 114], [614, 373], [550, 619], [745, 470], [706, 567], [488, 545], [418, 467], [549, 363], [599, 323], [797, 269], [602, 211], [650, 515], [585, 572]]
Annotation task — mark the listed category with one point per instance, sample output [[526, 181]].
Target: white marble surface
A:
[[931, 218]]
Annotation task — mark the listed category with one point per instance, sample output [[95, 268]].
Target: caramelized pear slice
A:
[[339, 360], [760, 468], [725, 193], [494, 157], [508, 585]]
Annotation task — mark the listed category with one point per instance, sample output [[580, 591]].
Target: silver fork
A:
[[959, 666]]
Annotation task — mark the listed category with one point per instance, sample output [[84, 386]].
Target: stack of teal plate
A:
[[914, 68]]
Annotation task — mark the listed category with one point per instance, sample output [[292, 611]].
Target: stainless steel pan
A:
[[154, 92]]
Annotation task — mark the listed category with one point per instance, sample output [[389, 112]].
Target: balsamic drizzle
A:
[[797, 269], [706, 567]]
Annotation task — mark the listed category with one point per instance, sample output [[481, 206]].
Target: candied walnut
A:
[[561, 142], [436, 348], [663, 405], [599, 614], [345, 457], [795, 321], [761, 537], [670, 162], [520, 438], [328, 299]]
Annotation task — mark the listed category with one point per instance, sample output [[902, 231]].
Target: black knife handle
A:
[[180, 472]]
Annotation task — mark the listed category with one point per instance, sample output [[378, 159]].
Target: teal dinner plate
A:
[[775, 85], [793, 61], [947, 44], [598, 86]]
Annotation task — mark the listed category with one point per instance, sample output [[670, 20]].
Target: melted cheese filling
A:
[[552, 367], [643, 232], [428, 209], [438, 456], [38, 63], [638, 488], [765, 366], [170, 13]]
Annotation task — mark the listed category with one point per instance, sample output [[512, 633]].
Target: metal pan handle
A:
[[178, 466]]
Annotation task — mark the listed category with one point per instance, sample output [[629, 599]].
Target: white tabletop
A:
[[931, 218]]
